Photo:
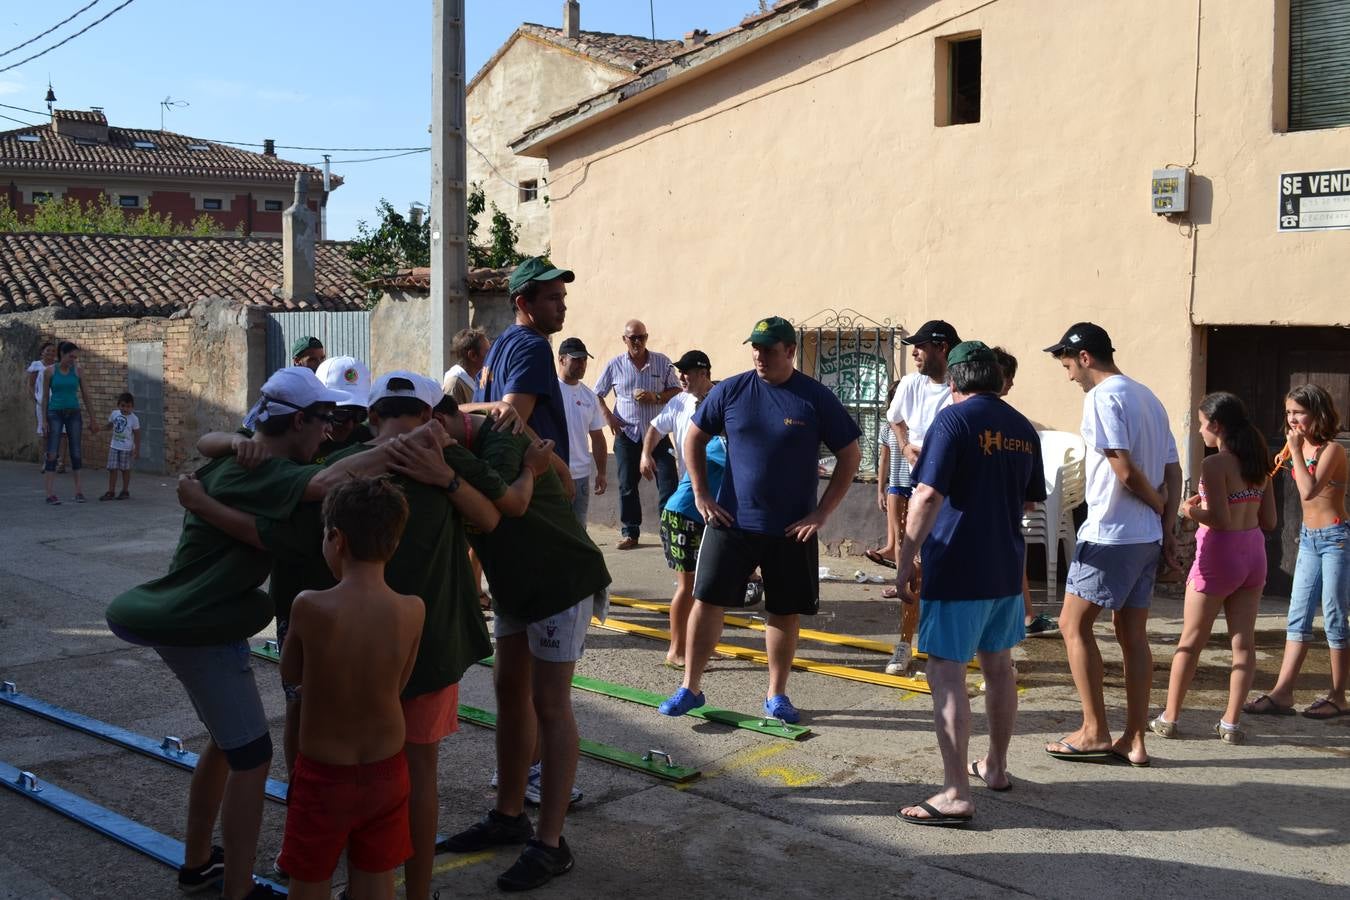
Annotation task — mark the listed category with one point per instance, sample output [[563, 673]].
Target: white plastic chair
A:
[[1050, 524]]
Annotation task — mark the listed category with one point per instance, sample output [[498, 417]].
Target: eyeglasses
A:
[[329, 417], [635, 338], [343, 416]]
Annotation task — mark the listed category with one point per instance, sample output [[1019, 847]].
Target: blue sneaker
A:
[[780, 707], [680, 703]]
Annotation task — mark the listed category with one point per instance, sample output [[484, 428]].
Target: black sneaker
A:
[[493, 830], [193, 880], [537, 865]]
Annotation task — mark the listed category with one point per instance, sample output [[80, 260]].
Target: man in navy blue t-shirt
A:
[[519, 367], [765, 514], [979, 468]]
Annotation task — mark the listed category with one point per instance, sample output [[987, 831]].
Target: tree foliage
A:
[[398, 242], [69, 216]]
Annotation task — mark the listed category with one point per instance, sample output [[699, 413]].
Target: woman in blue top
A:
[[681, 533], [62, 388]]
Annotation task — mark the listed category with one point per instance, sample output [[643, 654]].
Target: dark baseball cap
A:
[[771, 331], [971, 351], [934, 330], [693, 359], [574, 348], [1082, 336], [304, 345], [537, 268]]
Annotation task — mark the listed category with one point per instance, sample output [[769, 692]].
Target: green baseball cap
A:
[[971, 351], [773, 330], [304, 345], [537, 268]]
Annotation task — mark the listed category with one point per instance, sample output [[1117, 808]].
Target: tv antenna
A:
[[169, 104]]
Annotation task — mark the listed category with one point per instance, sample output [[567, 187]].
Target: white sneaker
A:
[[534, 782], [754, 592], [900, 659]]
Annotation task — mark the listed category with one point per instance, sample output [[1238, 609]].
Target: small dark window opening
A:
[[212, 203], [272, 205], [965, 81], [128, 201], [41, 196], [529, 190]]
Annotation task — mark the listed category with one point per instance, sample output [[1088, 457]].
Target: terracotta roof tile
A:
[[419, 279], [173, 155], [619, 50], [101, 275]]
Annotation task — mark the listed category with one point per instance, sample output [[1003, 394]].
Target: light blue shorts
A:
[[955, 629]]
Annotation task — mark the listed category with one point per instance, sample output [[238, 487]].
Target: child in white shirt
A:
[[125, 446]]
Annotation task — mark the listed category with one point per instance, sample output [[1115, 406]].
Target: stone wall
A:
[[401, 322], [212, 365]]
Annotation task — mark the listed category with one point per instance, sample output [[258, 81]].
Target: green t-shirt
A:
[[298, 564], [432, 562], [540, 563], [210, 594]]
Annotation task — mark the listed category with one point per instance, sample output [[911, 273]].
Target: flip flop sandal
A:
[[108, 496], [975, 771], [1323, 703], [934, 817], [1270, 707], [1073, 754], [880, 560], [890, 593], [1125, 758]]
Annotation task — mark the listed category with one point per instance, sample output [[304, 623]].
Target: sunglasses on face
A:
[[635, 338], [343, 416]]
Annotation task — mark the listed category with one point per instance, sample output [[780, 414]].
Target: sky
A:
[[341, 74]]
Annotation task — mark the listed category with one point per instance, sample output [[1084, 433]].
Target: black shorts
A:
[[680, 539], [791, 571]]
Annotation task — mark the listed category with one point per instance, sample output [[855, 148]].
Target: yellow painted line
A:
[[460, 862], [739, 760], [805, 634], [758, 656], [790, 776]]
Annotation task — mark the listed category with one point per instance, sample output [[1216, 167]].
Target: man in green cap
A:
[[519, 369], [765, 513], [308, 351], [979, 469]]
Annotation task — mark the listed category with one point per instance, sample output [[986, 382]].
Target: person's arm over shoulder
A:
[[234, 523]]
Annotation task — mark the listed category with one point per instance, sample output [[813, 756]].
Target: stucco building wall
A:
[[530, 80], [810, 175]]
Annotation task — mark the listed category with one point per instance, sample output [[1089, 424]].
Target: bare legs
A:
[[681, 604], [1076, 620], [705, 627], [423, 809], [1200, 612], [951, 721]]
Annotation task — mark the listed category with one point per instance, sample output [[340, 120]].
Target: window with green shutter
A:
[[1319, 64]]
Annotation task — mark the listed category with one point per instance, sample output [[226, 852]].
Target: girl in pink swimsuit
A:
[[1232, 508]]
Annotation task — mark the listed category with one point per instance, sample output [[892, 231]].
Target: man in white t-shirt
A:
[[919, 397], [585, 427], [1133, 485], [470, 347], [695, 375]]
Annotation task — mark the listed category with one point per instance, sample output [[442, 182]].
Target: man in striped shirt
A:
[[642, 381]]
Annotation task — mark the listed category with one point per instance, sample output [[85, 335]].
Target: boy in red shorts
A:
[[350, 785]]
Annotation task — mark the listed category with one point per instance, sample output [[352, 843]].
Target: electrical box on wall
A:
[[1169, 191]]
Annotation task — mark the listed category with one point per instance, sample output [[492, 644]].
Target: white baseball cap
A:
[[291, 390], [423, 388], [349, 375]]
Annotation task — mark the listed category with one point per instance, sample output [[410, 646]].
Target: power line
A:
[[347, 162], [66, 40], [49, 30], [321, 149], [20, 121], [36, 112]]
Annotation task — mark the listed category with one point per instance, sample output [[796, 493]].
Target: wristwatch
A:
[[453, 485]]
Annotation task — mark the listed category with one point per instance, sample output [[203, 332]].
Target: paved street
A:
[[768, 817]]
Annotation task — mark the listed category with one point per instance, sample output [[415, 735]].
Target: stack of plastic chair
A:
[[1050, 524]]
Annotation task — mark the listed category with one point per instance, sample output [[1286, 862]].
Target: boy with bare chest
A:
[[351, 649]]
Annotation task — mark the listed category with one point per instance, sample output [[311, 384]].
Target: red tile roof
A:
[[171, 157], [102, 275], [419, 280]]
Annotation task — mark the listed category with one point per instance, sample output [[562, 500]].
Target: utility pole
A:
[[449, 244]]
